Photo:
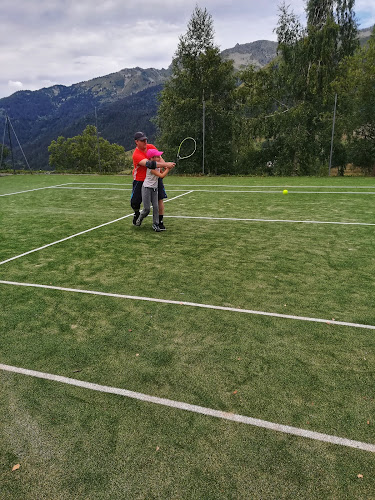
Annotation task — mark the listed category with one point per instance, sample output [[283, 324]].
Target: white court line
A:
[[190, 304], [286, 429], [66, 186], [231, 185], [64, 239], [109, 189], [280, 191], [36, 189], [271, 220], [78, 234], [100, 188], [223, 190]]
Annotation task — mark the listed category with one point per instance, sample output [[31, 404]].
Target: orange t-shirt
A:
[[139, 172]]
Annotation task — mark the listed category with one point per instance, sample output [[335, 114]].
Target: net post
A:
[[203, 131], [333, 132]]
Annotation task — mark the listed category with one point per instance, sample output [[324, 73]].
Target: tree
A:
[[198, 76], [288, 106], [87, 153], [355, 86], [4, 152]]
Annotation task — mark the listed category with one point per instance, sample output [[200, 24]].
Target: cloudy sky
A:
[[47, 42]]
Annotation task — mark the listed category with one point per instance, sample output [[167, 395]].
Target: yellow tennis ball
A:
[[285, 191]]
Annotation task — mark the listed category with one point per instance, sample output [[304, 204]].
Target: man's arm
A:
[[153, 164]]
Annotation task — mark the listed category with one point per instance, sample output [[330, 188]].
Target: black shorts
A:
[[161, 190], [136, 197]]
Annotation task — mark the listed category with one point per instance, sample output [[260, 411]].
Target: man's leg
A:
[[136, 199]]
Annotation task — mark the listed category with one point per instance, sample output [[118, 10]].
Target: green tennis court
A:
[[253, 304]]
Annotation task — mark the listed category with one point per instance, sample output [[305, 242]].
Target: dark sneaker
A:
[[138, 222], [162, 227], [156, 227], [135, 219]]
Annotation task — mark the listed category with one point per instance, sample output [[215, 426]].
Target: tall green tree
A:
[[289, 104], [4, 152], [87, 153], [355, 86], [200, 80]]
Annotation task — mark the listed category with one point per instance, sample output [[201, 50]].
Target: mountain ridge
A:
[[40, 116]]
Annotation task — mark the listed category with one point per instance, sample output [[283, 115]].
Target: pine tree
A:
[[198, 75]]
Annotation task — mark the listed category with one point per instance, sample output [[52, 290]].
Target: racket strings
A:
[[187, 148]]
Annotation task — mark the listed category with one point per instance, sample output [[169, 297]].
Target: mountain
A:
[[125, 101], [364, 35], [259, 54]]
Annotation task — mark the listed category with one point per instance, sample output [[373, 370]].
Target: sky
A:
[[48, 42]]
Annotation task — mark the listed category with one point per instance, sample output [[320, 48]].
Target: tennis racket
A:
[[186, 149]]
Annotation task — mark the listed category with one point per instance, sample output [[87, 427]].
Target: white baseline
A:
[[286, 429]]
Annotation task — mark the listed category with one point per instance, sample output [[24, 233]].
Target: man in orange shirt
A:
[[140, 164]]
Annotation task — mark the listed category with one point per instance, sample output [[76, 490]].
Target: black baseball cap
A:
[[140, 136]]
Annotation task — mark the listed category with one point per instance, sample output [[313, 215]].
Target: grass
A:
[[76, 443]]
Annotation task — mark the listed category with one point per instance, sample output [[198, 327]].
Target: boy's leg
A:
[[155, 206], [146, 198], [161, 196]]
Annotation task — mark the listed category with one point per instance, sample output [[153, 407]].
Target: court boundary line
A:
[[268, 220], [189, 304], [222, 190], [79, 234], [36, 189], [280, 191], [231, 185], [285, 429]]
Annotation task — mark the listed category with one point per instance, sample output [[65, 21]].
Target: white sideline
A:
[[190, 304], [286, 429], [271, 220], [78, 234], [36, 189]]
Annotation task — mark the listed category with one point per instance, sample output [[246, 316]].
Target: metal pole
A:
[[3, 143], [203, 131], [97, 139], [10, 144], [15, 135], [333, 132]]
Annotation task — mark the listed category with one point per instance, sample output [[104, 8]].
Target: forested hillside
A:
[[124, 101]]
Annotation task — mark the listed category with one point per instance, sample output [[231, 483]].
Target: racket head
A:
[[186, 148]]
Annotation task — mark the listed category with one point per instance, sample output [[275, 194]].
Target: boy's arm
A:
[[166, 164], [160, 174]]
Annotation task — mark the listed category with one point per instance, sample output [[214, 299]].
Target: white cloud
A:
[[14, 86]]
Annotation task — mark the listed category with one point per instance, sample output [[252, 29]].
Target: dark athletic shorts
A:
[[136, 198], [161, 190]]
